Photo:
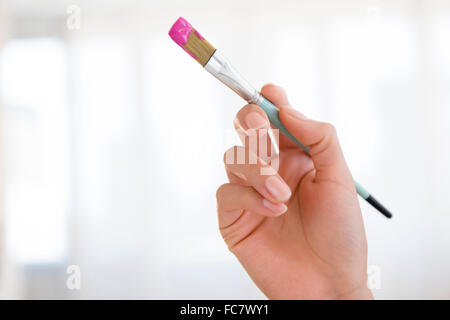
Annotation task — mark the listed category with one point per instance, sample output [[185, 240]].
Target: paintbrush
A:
[[215, 63]]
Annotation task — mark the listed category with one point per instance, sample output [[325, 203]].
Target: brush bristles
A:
[[199, 48]]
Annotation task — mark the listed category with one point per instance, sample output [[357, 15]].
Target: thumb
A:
[[324, 148]]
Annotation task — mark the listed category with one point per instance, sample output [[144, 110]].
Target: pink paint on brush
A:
[[180, 32]]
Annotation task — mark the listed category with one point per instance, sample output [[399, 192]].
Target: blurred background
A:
[[106, 167]]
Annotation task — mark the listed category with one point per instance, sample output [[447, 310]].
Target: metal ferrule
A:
[[220, 68]]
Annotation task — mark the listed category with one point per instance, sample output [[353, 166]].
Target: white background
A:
[[113, 137]]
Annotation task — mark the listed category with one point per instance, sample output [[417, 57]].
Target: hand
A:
[[297, 231]]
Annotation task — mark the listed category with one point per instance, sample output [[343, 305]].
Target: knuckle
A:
[[328, 137], [221, 191], [229, 154], [233, 155], [329, 129]]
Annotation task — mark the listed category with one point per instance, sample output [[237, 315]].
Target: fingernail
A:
[[294, 113], [254, 120], [277, 208], [278, 188]]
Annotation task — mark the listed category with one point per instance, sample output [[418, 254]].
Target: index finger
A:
[[278, 97]]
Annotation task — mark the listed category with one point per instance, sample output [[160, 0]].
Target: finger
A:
[[275, 94], [324, 148], [260, 176], [251, 116], [252, 126], [232, 198], [278, 97], [241, 210]]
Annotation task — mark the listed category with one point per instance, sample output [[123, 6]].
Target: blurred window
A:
[[36, 144]]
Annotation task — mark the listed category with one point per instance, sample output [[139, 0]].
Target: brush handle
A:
[[272, 113]]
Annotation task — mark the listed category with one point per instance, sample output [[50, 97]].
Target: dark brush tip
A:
[[374, 202]]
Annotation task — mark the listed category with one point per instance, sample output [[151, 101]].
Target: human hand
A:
[[298, 231]]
